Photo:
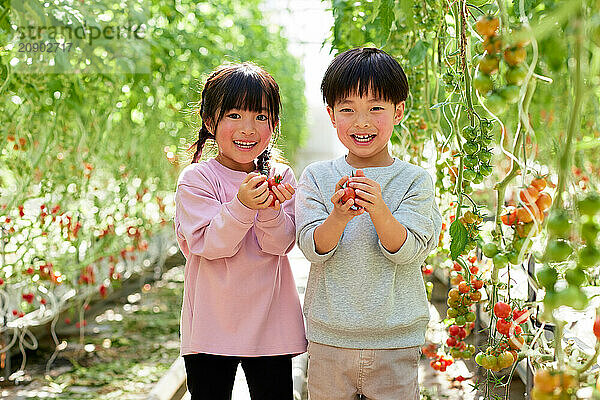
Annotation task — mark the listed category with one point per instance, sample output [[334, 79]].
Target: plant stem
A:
[[565, 159]]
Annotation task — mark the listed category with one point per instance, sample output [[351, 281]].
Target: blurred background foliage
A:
[[93, 139]]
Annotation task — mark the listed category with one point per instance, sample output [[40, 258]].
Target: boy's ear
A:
[[331, 115], [399, 114]]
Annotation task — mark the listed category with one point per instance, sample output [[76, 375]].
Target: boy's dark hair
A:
[[244, 86], [363, 70]]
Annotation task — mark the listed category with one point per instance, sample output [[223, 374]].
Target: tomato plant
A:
[[511, 107]]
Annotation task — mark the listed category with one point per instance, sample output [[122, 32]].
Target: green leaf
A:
[[417, 54], [458, 234]]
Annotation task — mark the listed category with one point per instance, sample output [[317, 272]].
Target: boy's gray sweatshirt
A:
[[359, 295]]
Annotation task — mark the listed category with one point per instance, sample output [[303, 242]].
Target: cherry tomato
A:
[[483, 83], [516, 75], [539, 183], [489, 63], [514, 55], [547, 277], [544, 201], [502, 310], [510, 93], [495, 103], [487, 25], [597, 327]]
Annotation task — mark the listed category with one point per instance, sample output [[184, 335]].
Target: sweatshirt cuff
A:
[[314, 256], [405, 254], [240, 212], [268, 214]]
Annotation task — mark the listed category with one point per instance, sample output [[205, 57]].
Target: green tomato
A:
[[479, 358], [559, 224], [557, 251], [460, 320], [513, 257], [483, 83], [485, 169], [547, 277], [470, 147], [495, 103], [510, 93], [484, 155], [551, 301], [589, 205], [471, 161], [500, 260], [466, 354], [452, 312], [575, 276], [490, 249], [572, 296], [478, 178], [486, 139], [469, 174], [489, 361], [589, 231], [470, 316], [589, 256], [469, 132], [516, 75]]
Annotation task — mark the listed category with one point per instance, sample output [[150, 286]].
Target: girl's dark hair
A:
[[244, 86], [363, 70]]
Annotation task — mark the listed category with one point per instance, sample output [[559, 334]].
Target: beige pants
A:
[[336, 373]]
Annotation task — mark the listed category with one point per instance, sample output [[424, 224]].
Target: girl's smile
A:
[[241, 137]]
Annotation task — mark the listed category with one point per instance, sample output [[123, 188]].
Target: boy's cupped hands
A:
[[368, 193]]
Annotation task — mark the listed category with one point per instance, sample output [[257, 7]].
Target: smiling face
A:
[[241, 137], [364, 126]]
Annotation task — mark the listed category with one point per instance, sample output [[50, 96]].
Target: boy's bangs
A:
[[364, 80], [251, 92], [364, 71]]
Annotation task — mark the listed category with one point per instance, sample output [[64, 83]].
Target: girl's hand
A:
[[282, 193], [342, 210], [368, 193], [254, 191]]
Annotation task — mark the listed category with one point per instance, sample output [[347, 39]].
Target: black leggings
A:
[[211, 377]]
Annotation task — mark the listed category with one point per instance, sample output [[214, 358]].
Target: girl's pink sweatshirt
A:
[[239, 297]]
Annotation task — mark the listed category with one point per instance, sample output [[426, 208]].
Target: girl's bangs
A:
[[251, 92]]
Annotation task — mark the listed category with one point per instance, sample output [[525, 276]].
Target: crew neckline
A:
[[230, 171], [347, 167]]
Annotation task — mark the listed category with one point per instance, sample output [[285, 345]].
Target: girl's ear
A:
[[331, 115], [399, 113]]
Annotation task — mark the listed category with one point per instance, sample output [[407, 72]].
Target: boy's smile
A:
[[364, 126]]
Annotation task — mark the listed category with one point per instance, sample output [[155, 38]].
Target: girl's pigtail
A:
[[203, 136], [262, 161]]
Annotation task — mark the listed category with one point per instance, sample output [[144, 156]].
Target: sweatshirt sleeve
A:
[[205, 226], [276, 230], [419, 214], [310, 213]]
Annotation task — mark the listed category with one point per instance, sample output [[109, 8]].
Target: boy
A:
[[365, 304]]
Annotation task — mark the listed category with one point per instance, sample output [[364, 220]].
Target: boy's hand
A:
[[368, 194], [254, 192], [283, 192], [343, 210]]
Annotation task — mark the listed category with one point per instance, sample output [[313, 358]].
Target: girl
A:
[[240, 302]]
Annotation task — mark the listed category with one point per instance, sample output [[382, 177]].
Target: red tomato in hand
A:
[[274, 181]]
